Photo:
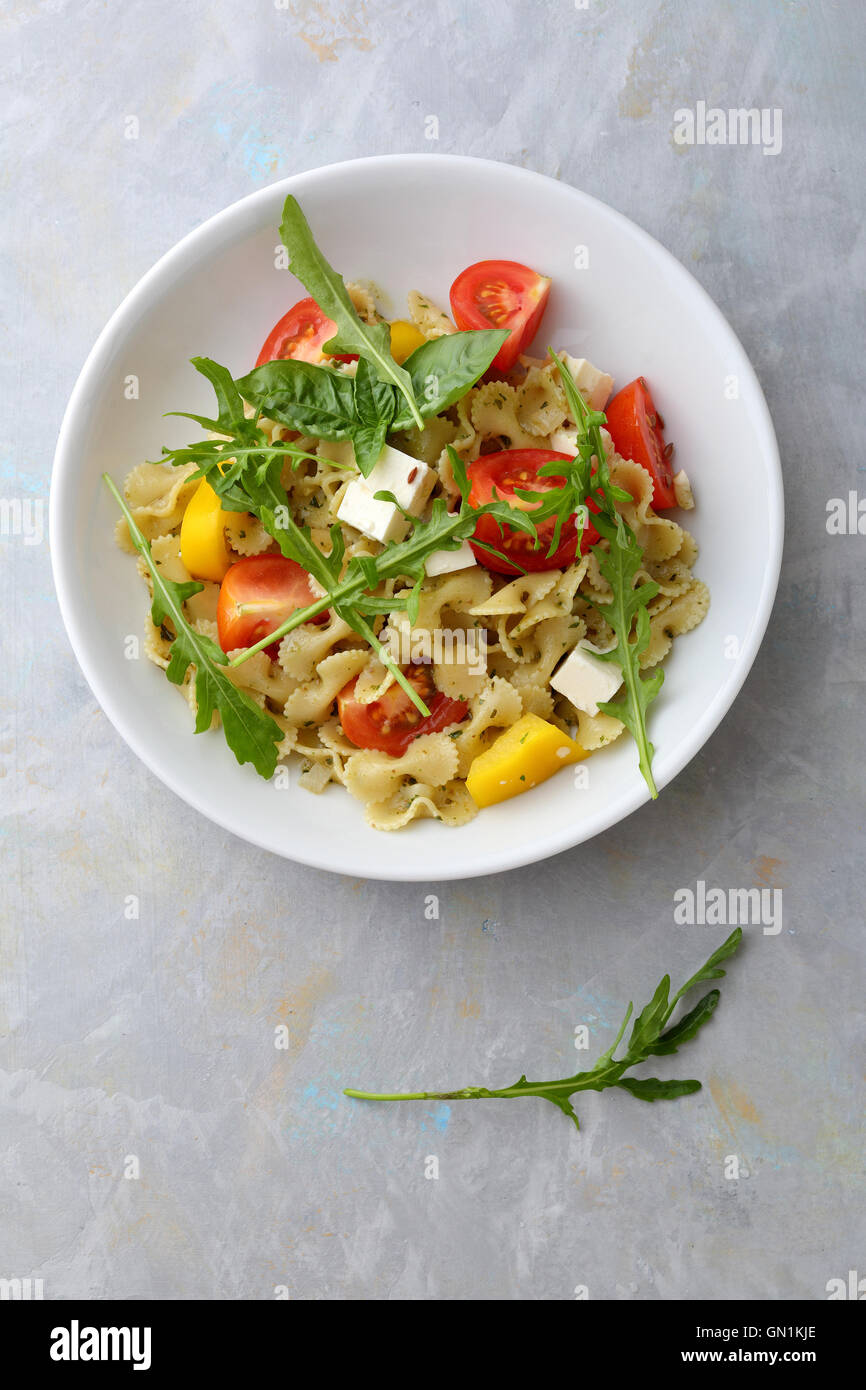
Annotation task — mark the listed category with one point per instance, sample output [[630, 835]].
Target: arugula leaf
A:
[[627, 609], [647, 1040], [316, 400], [443, 369], [250, 732], [375, 404], [687, 1026], [230, 405], [710, 969], [650, 1088], [370, 341]]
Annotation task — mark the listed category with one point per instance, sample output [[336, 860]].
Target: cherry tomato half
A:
[[300, 334], [390, 724], [635, 426], [507, 472], [501, 294], [257, 595]]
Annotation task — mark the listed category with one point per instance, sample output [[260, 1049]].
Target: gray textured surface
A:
[[155, 1037]]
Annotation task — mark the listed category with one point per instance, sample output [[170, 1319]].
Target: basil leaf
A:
[[375, 403], [370, 341], [315, 400], [443, 369]]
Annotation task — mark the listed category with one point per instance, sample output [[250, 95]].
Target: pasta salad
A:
[[410, 558]]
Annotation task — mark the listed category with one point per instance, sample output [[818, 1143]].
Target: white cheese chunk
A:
[[683, 490], [593, 385], [446, 561], [381, 521], [411, 482], [585, 680], [564, 440]]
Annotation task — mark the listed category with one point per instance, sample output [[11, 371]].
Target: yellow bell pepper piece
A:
[[203, 547], [521, 757], [405, 338]]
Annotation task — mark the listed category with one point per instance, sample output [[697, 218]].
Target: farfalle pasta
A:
[[388, 602]]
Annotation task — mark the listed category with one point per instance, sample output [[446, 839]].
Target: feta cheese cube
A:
[[381, 521], [564, 440], [411, 482], [593, 385], [446, 561], [585, 680]]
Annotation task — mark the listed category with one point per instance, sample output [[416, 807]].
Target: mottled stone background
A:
[[155, 1037]]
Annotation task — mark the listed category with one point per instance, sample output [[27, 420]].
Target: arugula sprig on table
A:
[[650, 1037], [250, 732]]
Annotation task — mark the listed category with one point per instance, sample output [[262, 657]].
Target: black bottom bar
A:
[[78, 1338]]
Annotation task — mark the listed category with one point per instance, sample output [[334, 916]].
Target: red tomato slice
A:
[[501, 294], [257, 595], [635, 426], [518, 469], [300, 334], [390, 724]]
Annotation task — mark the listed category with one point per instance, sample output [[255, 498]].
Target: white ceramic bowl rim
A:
[[499, 857]]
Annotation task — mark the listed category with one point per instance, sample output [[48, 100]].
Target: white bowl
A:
[[407, 221]]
